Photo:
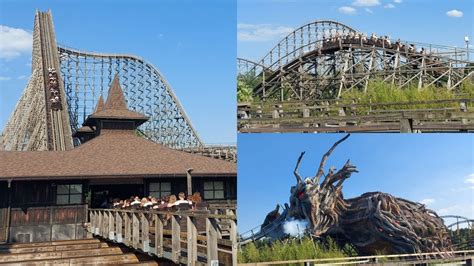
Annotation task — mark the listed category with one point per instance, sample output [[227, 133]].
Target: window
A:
[[214, 190], [69, 194], [159, 189]]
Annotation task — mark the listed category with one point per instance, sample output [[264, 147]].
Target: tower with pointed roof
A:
[[111, 115]]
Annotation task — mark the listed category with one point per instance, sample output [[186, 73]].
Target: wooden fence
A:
[[464, 257], [350, 116], [192, 238]]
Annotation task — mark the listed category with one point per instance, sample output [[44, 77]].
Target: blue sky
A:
[[437, 169], [192, 44], [264, 22]]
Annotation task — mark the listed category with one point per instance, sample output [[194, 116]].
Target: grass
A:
[[293, 249], [381, 92]]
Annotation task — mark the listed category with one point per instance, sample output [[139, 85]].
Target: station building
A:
[[44, 195]]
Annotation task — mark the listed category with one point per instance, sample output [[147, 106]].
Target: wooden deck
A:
[[71, 252]]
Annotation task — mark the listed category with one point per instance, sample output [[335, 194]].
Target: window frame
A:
[[69, 194], [160, 191], [214, 190]]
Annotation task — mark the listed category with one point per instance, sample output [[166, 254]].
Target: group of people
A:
[[152, 203], [362, 38], [54, 88]]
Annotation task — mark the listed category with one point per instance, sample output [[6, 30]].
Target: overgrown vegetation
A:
[[245, 85], [293, 249], [381, 92], [378, 92], [244, 92], [463, 239]]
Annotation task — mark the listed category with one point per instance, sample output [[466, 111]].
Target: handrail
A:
[[161, 233], [345, 103], [178, 212], [466, 254], [316, 23], [295, 53], [335, 116]]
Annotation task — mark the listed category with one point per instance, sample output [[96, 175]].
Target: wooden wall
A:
[[3, 210], [34, 215]]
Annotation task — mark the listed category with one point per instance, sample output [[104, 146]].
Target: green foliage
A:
[[244, 92], [293, 249], [245, 85], [250, 79], [462, 239], [349, 250], [467, 89]]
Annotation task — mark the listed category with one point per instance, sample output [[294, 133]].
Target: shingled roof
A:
[[112, 154], [100, 105], [86, 130], [115, 107]]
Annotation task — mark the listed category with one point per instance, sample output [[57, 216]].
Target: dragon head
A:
[[321, 203]]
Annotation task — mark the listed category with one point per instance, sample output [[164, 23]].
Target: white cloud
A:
[[22, 77], [14, 42], [454, 13], [397, 1], [366, 3], [368, 10], [389, 5], [261, 32], [347, 10], [427, 201], [2, 78], [469, 179]]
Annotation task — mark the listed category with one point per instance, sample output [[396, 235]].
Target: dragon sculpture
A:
[[372, 222]]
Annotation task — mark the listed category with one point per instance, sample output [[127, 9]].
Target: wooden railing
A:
[[187, 237], [350, 116], [223, 152]]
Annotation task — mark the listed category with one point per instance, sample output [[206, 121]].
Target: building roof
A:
[[111, 154], [114, 153], [84, 130], [100, 105], [115, 107]]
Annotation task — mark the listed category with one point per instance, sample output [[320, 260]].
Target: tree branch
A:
[[298, 177], [324, 159], [341, 175]]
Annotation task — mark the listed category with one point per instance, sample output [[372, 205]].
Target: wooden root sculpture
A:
[[271, 216], [373, 222]]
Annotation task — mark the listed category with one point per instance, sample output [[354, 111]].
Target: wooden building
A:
[[44, 195]]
